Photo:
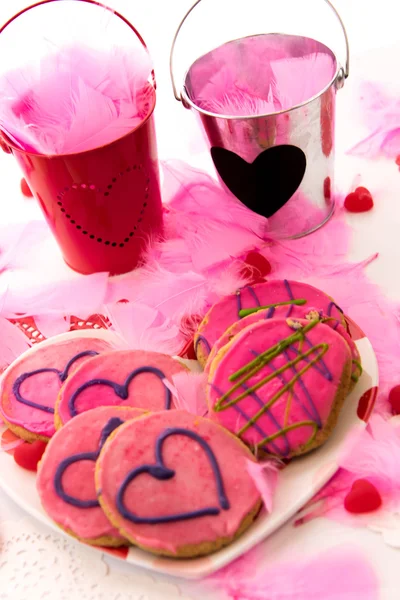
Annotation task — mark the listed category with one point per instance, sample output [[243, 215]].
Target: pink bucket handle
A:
[[342, 75]]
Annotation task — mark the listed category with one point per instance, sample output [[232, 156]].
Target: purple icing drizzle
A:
[[61, 374], [121, 390], [202, 339], [331, 305], [291, 297], [239, 298], [315, 416], [162, 473], [107, 430]]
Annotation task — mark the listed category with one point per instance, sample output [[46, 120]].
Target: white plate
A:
[[298, 482]]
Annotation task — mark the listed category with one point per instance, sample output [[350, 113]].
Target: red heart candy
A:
[[362, 190], [362, 498], [357, 203], [25, 189], [28, 455], [394, 399], [256, 267], [398, 160]]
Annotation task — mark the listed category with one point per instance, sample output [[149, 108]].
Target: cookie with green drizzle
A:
[[280, 384], [269, 295], [298, 312]]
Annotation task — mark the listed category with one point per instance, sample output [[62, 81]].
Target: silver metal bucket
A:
[[279, 164]]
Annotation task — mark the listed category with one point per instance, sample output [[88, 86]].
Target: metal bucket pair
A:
[[278, 164]]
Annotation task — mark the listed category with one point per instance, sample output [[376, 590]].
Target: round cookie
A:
[[176, 484], [227, 310], [65, 480], [124, 377], [280, 384], [30, 386], [298, 312]]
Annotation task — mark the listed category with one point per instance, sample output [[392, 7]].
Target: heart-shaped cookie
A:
[[65, 480], [266, 184], [30, 386], [280, 384], [176, 484]]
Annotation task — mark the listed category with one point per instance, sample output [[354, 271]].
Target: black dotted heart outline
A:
[[92, 187]]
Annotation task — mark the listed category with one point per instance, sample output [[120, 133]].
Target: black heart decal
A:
[[161, 472], [266, 184], [62, 375], [120, 390], [92, 456]]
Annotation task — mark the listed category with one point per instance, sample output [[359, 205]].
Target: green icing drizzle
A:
[[356, 376], [249, 311], [254, 366]]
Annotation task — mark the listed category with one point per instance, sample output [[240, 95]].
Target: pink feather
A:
[[144, 328], [339, 573], [256, 76], [77, 99], [381, 114], [191, 392], [22, 293], [265, 477]]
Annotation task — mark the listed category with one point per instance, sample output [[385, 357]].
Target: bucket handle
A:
[[178, 96]]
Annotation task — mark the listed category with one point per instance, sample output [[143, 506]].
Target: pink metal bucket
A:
[[102, 205]]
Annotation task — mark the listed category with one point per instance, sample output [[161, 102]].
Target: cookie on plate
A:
[[298, 312], [176, 484], [280, 384], [124, 377], [65, 480], [229, 309], [30, 386]]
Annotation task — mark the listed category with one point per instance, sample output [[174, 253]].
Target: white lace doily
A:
[[36, 564]]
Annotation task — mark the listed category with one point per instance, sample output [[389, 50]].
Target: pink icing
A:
[[81, 435], [42, 388], [298, 312], [145, 391], [191, 488], [311, 398], [226, 312]]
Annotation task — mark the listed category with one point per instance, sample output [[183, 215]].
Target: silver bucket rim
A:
[[341, 74], [337, 78]]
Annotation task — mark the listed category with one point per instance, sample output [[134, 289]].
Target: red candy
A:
[[359, 201], [362, 498], [25, 189], [394, 399], [256, 267], [327, 188], [28, 455]]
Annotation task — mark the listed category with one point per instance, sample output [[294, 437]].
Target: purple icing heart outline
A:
[[91, 187], [107, 430], [162, 473], [120, 389], [61, 374]]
